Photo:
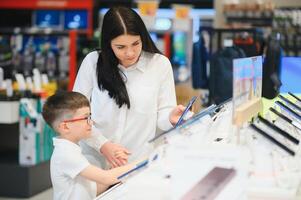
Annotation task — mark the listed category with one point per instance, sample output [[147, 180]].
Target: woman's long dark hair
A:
[[119, 21]]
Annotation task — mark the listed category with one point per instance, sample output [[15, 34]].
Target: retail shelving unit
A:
[[16, 180], [19, 180], [53, 5], [177, 44]]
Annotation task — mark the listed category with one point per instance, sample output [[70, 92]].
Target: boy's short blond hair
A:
[[62, 105]]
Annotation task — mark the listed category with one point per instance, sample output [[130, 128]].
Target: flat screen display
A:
[[290, 74], [76, 19], [47, 18]]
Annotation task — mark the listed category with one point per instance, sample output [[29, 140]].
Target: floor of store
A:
[[45, 195]]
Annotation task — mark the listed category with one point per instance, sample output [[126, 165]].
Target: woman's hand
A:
[[175, 114], [115, 154], [121, 154]]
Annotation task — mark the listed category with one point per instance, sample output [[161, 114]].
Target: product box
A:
[[9, 112], [28, 144]]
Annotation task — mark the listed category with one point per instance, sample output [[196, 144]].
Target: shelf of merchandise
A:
[[19, 181], [25, 181], [53, 5], [56, 5], [72, 34]]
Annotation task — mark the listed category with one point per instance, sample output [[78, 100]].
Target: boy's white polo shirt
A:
[[67, 162]]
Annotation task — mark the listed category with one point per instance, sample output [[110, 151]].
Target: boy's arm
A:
[[101, 188], [105, 177]]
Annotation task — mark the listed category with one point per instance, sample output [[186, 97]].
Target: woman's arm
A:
[[86, 73], [84, 83], [167, 96]]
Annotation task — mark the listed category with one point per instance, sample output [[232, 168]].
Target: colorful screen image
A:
[[290, 74], [76, 19], [247, 79], [179, 48], [47, 18]]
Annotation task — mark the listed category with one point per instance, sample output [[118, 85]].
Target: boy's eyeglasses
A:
[[88, 118]]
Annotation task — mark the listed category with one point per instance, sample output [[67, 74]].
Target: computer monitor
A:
[[76, 19], [47, 19], [290, 74]]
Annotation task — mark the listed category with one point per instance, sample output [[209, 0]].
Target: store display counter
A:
[[189, 154], [24, 181]]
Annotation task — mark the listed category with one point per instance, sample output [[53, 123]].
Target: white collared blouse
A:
[[151, 89]]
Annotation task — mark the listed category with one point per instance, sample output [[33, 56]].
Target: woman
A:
[[131, 88]]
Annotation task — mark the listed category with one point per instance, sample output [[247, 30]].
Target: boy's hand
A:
[[109, 149]]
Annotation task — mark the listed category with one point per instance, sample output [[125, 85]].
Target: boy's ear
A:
[[63, 128]]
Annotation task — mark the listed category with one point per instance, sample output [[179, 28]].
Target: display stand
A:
[[24, 181], [246, 111], [247, 84]]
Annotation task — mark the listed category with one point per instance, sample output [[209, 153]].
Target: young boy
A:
[[72, 176]]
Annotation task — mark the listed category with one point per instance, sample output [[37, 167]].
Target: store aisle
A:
[[46, 195]]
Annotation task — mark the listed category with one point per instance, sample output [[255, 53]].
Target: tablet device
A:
[[211, 185], [206, 111], [294, 123], [289, 102], [272, 139], [180, 121], [279, 130], [289, 110], [136, 168], [294, 96]]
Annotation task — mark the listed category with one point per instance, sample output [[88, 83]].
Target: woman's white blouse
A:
[[150, 86]]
